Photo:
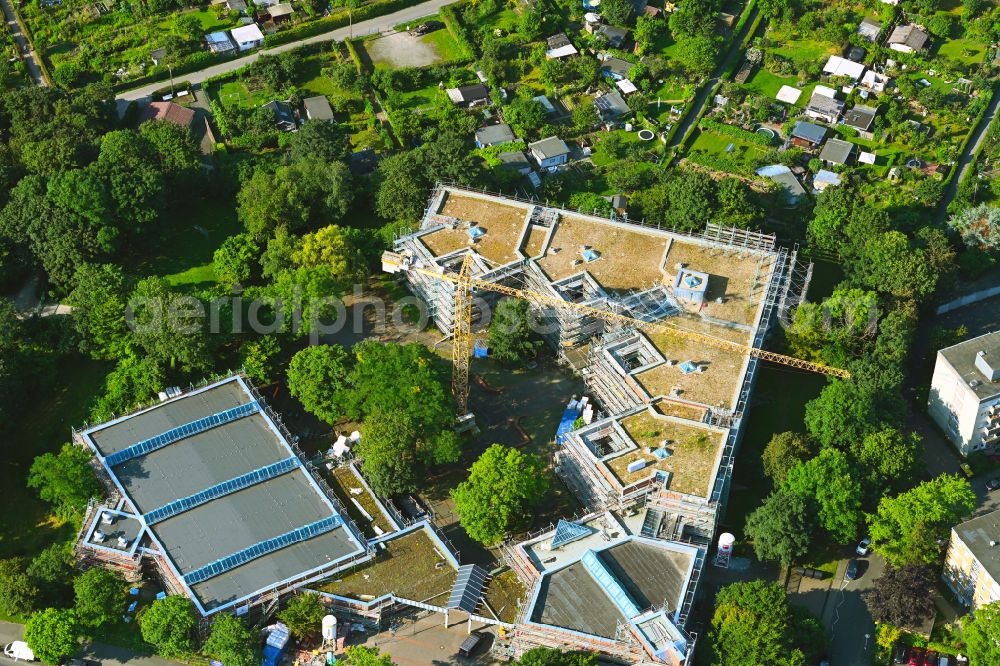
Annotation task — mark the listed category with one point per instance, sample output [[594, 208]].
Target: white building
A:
[[248, 37], [965, 393]]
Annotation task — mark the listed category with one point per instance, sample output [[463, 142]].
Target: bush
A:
[[449, 16]]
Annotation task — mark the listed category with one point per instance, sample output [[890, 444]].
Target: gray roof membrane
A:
[[167, 416]]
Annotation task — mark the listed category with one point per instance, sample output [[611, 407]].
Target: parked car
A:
[[992, 484], [931, 658], [864, 547], [966, 470], [916, 656], [899, 654], [429, 26], [19, 651], [853, 569]]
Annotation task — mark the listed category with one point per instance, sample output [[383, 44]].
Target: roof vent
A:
[[993, 543], [989, 366]]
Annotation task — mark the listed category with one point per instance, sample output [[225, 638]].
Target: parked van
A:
[[19, 651]]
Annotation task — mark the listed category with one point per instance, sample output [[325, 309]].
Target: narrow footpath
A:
[[23, 46]]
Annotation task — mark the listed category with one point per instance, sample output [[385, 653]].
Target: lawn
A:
[[182, 253], [805, 51], [210, 21], [236, 93], [600, 158], [965, 51], [709, 149], [445, 45], [311, 78], [767, 84]]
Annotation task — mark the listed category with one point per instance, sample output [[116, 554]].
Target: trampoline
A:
[[646, 135]]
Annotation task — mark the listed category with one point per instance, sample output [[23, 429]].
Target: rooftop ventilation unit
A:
[[989, 366], [122, 542], [99, 536]]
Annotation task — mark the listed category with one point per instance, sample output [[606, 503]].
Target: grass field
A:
[[743, 157], [210, 21], [182, 253], [965, 51], [767, 84], [805, 51]]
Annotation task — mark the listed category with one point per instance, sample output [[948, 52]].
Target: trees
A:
[[407, 379], [889, 459], [168, 327], [617, 12], [697, 55], [907, 528], [512, 338], [402, 187], [235, 259], [17, 592], [134, 180], [585, 117], [169, 624], [781, 527], [98, 301], [258, 358], [318, 139], [387, 452], [903, 596], [980, 632], [65, 479], [784, 451], [647, 30], [448, 157], [754, 623], [52, 634], [889, 264], [827, 481], [304, 193], [541, 656], [52, 571], [525, 116], [502, 488], [303, 614], [176, 152], [100, 597], [316, 377], [133, 381], [843, 413], [360, 655], [736, 207], [979, 227], [231, 642], [691, 200]]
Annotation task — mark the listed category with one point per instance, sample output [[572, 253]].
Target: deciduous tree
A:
[[781, 528], [52, 634], [98, 301], [170, 624], [980, 632], [17, 591], [65, 479], [784, 451], [168, 326], [303, 614], [827, 481], [316, 376], [541, 656], [512, 337], [504, 485], [907, 528], [231, 642], [100, 597], [903, 596]]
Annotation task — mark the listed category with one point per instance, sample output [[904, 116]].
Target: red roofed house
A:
[[183, 116]]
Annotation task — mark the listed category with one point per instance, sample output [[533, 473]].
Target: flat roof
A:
[[962, 358], [652, 573], [977, 534], [209, 530]]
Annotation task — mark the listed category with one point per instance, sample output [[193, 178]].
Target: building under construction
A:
[[661, 444]]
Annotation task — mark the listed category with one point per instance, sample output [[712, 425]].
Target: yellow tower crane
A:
[[393, 262]]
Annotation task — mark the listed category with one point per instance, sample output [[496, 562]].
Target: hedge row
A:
[[334, 21], [352, 51], [735, 132], [968, 137], [39, 56], [449, 15]]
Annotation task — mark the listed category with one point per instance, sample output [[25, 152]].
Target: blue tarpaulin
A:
[[569, 417], [480, 350]]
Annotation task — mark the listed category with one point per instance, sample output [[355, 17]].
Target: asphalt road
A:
[[23, 46], [369, 27], [846, 617], [965, 161], [107, 655]]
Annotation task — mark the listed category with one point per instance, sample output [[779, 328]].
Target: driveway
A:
[[23, 47], [369, 27], [846, 618]]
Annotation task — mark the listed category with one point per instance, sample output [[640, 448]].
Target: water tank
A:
[[726, 541], [329, 628]]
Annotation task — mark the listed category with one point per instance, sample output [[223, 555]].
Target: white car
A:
[[19, 651], [864, 547]]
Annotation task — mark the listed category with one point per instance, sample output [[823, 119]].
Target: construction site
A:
[[666, 329]]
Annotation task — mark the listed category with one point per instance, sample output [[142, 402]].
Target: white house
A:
[[248, 37], [965, 393]]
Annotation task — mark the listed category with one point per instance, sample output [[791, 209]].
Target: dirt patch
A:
[[715, 387], [628, 259], [694, 452], [503, 225], [401, 50], [504, 594], [738, 279]]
